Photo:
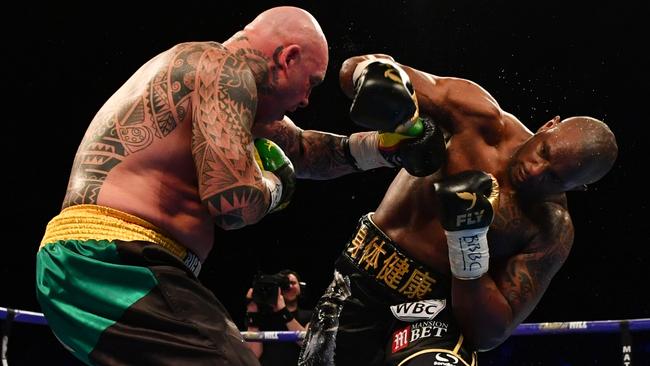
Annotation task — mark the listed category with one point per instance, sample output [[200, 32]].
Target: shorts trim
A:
[[94, 222]]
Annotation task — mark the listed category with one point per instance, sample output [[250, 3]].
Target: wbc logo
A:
[[419, 310]]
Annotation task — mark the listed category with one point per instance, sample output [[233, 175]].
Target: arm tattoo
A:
[[314, 154], [323, 156], [528, 274], [233, 206], [229, 180], [508, 217], [264, 72], [132, 127]]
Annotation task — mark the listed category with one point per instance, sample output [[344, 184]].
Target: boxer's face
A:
[[549, 161], [303, 74], [295, 74]]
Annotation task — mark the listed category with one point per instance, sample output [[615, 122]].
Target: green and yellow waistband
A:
[[93, 222]]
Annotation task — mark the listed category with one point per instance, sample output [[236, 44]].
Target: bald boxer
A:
[[196, 137], [451, 263]]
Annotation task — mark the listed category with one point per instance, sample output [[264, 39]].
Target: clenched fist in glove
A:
[[384, 100], [277, 171], [468, 203], [420, 156]]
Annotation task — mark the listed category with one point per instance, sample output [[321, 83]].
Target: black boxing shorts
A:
[[384, 308]]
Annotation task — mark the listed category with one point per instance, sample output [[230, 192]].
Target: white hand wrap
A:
[[469, 254], [364, 148], [274, 185]]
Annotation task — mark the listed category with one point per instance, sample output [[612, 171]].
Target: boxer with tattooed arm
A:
[[196, 137]]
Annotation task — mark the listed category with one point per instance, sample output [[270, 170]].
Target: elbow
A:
[[234, 222], [236, 209], [225, 224]]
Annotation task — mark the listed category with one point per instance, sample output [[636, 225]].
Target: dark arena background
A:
[[538, 59]]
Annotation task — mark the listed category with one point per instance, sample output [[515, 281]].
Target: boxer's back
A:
[[136, 154]]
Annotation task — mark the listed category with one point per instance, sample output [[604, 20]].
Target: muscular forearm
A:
[[484, 314], [321, 155], [314, 154]]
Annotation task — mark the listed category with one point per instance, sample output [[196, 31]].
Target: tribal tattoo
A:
[[264, 72], [229, 181], [118, 132], [323, 156]]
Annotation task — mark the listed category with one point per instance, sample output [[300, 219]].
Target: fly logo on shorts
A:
[[418, 310], [405, 336]]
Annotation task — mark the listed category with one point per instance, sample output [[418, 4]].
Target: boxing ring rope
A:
[[594, 326], [573, 327], [623, 327]]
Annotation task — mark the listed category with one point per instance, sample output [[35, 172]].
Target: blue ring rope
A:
[[588, 326]]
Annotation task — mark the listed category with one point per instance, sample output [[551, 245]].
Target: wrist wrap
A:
[[285, 315]]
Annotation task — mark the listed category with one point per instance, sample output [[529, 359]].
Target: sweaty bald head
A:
[[596, 148], [285, 25], [286, 51]]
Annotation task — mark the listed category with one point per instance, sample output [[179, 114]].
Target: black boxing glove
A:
[[468, 203], [384, 100], [383, 96], [420, 156]]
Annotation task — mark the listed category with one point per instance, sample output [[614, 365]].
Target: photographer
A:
[[273, 306]]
